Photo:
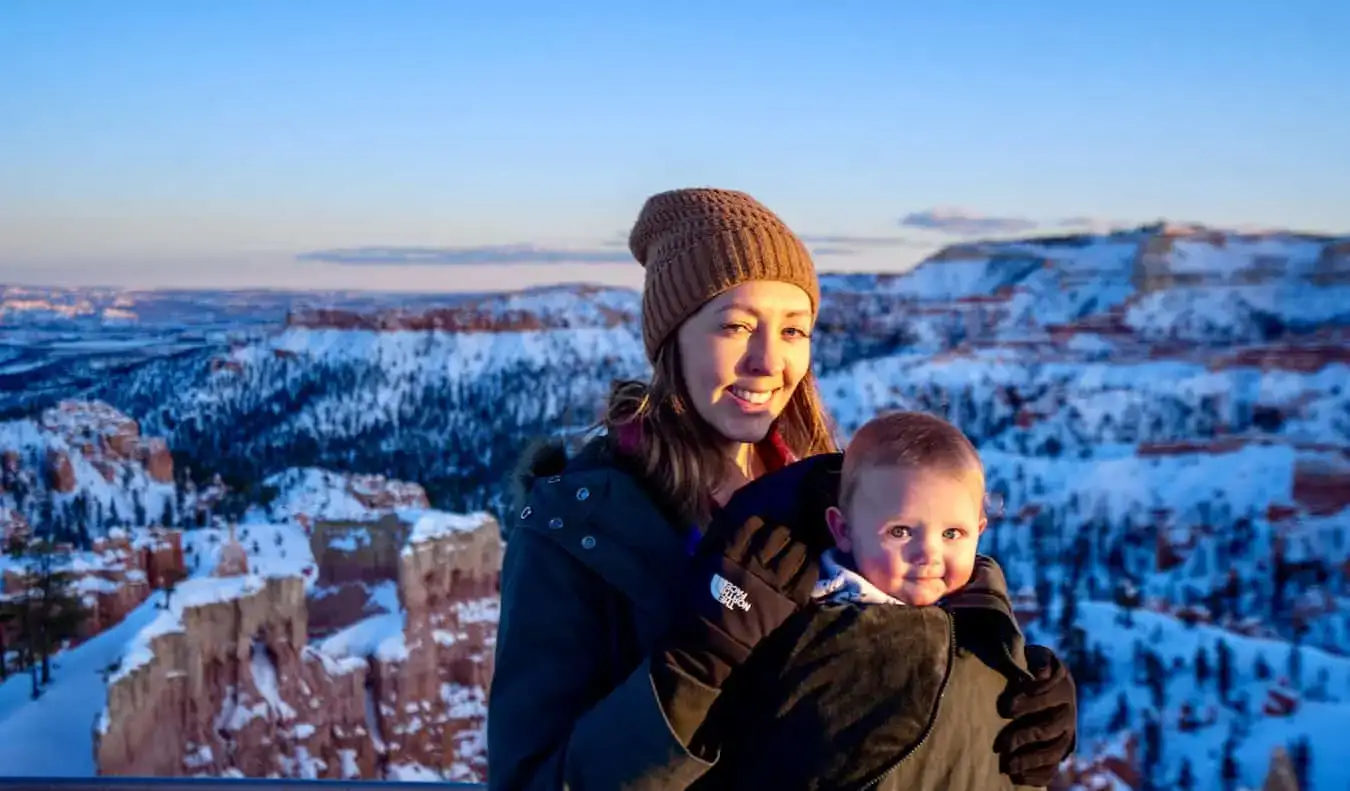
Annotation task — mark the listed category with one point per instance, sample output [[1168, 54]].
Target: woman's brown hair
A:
[[679, 455]]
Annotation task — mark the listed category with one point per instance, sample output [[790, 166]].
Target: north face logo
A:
[[728, 595]]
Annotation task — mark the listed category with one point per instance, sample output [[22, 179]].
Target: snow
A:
[[274, 550], [64, 431], [1076, 326], [190, 593], [1322, 723], [67, 709], [434, 525], [330, 495], [265, 679], [380, 636]]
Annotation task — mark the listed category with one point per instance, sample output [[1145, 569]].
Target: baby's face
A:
[[912, 533]]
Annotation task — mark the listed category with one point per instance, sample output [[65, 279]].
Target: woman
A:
[[608, 672]]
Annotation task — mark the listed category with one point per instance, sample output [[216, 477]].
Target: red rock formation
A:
[[233, 560], [1321, 489], [379, 493], [60, 475], [229, 683], [154, 454], [1294, 356], [119, 578], [351, 556]]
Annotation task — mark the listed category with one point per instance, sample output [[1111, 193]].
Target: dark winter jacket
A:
[[592, 572], [590, 575], [803, 720]]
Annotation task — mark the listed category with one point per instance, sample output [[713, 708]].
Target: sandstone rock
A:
[[358, 551], [60, 475], [154, 454], [1280, 776], [231, 683], [233, 560]]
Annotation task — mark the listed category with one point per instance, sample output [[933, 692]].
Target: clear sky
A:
[[150, 143]]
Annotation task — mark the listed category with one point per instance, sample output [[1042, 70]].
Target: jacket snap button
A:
[[555, 523], [554, 478], [525, 512], [583, 493], [588, 542]]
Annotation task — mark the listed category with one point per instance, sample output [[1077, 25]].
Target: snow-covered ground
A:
[[1323, 718], [53, 735]]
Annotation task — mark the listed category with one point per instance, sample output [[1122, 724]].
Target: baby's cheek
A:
[[959, 571]]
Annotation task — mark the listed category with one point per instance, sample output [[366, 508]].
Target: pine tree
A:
[[1228, 766], [1261, 668], [1201, 666], [1156, 679], [1152, 745], [1120, 719], [1224, 673], [1186, 778], [1300, 756], [60, 612]]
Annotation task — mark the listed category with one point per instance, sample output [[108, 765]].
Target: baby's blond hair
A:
[[911, 439]]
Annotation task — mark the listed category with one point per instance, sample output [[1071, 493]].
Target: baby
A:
[[903, 601], [910, 513]]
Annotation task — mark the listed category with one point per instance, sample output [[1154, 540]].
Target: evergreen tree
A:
[[1152, 745], [1261, 668], [1120, 719], [1224, 672], [1156, 679], [1300, 756], [59, 612], [1201, 666], [1228, 766], [1295, 665], [1186, 777]]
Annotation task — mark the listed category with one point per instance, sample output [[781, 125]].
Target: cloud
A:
[[466, 256], [963, 223], [821, 252]]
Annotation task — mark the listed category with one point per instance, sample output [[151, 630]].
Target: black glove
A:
[[750, 576], [1044, 725]]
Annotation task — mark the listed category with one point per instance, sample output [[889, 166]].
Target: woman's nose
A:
[[764, 354]]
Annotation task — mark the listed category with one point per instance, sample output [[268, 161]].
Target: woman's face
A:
[[744, 353]]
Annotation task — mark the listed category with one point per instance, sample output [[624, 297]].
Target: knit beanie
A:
[[698, 243]]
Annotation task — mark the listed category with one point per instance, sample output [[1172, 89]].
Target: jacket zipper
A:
[[932, 721]]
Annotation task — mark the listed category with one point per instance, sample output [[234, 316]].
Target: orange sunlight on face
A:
[[743, 355]]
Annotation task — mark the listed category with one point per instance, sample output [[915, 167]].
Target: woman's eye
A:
[[736, 327], [796, 331]]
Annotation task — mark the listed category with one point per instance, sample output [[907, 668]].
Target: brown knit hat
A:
[[698, 243]]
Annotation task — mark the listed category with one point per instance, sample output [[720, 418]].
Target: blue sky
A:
[[260, 143]]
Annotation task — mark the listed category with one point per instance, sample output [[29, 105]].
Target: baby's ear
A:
[[984, 522], [838, 525]]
